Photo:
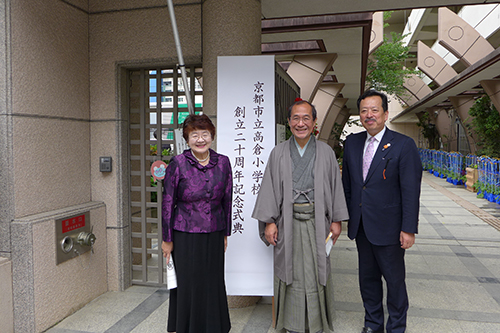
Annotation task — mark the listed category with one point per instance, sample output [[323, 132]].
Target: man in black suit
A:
[[381, 174]]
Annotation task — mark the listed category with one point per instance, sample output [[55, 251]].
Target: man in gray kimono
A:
[[301, 200]]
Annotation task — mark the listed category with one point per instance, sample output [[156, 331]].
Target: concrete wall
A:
[[229, 28], [6, 313], [45, 292], [6, 174], [122, 37], [6, 171], [63, 104], [49, 127], [50, 104]]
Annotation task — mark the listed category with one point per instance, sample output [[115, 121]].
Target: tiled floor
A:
[[453, 277]]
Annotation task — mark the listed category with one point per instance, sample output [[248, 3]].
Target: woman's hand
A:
[[225, 243], [166, 248]]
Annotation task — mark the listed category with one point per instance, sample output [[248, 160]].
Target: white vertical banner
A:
[[246, 134]]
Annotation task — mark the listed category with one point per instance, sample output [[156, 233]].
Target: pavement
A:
[[453, 278]]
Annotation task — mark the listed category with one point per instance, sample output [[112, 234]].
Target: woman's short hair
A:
[[197, 122]]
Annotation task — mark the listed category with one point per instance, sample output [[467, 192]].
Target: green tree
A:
[[386, 65], [486, 124]]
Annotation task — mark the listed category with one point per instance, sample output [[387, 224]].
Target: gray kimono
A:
[[274, 204]]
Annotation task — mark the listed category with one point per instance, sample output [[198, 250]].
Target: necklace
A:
[[201, 160]]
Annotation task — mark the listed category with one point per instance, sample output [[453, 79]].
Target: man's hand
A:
[[166, 248], [271, 233], [407, 240], [225, 243], [335, 229]]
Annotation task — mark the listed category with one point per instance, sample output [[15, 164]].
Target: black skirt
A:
[[199, 303]]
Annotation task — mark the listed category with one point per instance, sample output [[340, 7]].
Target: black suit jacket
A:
[[388, 200]]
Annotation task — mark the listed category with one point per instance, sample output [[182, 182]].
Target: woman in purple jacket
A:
[[197, 220]]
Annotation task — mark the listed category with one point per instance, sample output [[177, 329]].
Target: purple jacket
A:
[[196, 198]]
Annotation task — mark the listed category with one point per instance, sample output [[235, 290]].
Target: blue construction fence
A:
[[452, 165]]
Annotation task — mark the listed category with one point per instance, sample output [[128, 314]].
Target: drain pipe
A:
[[181, 65]]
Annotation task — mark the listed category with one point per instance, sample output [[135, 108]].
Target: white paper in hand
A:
[[329, 244], [171, 276]]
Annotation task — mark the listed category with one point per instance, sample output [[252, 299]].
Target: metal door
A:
[[157, 107]]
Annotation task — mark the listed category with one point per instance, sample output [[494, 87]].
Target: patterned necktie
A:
[[367, 159]]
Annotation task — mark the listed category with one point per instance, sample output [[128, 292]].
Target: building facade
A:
[[84, 79]]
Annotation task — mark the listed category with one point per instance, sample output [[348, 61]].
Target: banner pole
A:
[[182, 66]]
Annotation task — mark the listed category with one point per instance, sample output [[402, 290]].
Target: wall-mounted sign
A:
[[158, 169], [73, 223]]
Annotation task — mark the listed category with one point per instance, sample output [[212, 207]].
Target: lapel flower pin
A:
[[386, 146]]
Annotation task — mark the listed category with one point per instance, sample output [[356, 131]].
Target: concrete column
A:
[[416, 86], [331, 116], [434, 65], [325, 96], [492, 88], [342, 119], [377, 33], [447, 132], [460, 38], [438, 117], [462, 105], [308, 71], [432, 114], [408, 98], [229, 28]]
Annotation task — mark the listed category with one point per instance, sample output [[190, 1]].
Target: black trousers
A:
[[376, 262]]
